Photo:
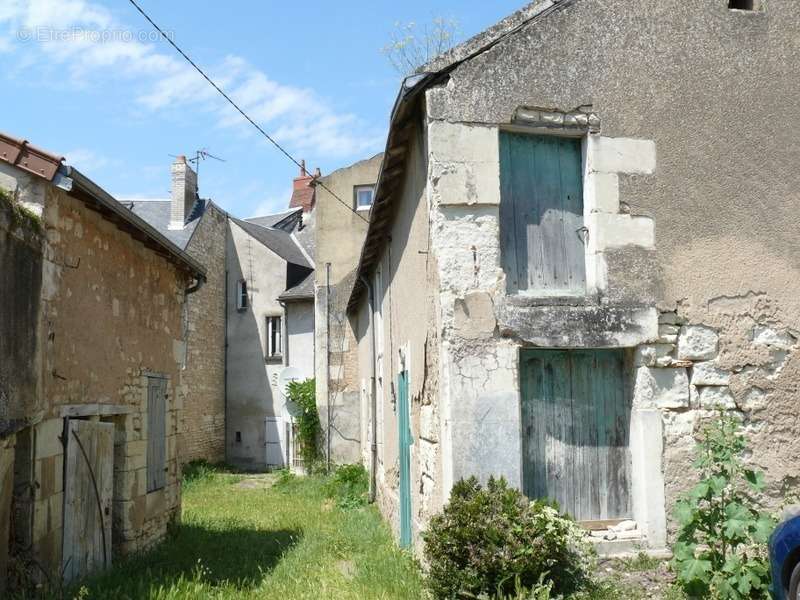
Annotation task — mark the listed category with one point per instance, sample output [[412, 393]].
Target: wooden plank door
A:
[[156, 433], [541, 214], [576, 427], [88, 492], [404, 449], [274, 444]]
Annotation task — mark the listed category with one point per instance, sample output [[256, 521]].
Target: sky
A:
[[92, 81]]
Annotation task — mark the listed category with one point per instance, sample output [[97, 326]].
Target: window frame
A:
[[242, 295], [360, 188], [270, 350]]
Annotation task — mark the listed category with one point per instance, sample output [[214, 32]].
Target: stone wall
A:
[[203, 377]]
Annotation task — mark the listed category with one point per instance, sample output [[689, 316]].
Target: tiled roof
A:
[[157, 213]]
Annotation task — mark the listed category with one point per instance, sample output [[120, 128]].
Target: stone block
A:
[[614, 231], [474, 316], [661, 388], [669, 318], [129, 515], [466, 183], [766, 336], [649, 354], [457, 142], [156, 504], [708, 373], [621, 155], [697, 342], [48, 438], [602, 192], [754, 399], [715, 396]]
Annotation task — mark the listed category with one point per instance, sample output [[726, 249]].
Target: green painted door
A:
[[541, 214], [405, 441], [575, 426]]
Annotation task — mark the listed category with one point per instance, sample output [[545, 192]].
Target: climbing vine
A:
[[20, 216], [303, 394]]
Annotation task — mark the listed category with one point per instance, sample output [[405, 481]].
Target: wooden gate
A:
[[541, 214], [576, 429], [88, 490]]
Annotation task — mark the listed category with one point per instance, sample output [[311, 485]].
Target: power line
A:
[[241, 112]]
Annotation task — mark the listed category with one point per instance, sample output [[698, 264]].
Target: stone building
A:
[[340, 231], [92, 313], [270, 326], [582, 244], [199, 228]]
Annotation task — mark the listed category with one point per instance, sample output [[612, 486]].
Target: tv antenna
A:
[[201, 155]]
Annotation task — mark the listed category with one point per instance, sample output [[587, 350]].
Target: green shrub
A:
[[349, 486], [303, 394], [493, 540], [720, 550]]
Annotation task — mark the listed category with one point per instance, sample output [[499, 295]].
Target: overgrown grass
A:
[[283, 541], [20, 216]]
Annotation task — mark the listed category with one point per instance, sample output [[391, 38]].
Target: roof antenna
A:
[[200, 155]]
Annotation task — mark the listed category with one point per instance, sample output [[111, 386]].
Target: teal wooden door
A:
[[541, 214], [405, 441], [575, 426]]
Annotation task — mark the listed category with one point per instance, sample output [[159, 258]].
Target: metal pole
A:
[[328, 357]]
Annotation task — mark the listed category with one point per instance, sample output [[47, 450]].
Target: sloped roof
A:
[[304, 290], [157, 213], [279, 241], [282, 220]]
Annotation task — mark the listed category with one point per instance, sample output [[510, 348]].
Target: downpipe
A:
[[373, 463]]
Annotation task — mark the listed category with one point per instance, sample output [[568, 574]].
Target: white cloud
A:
[[88, 161], [273, 204], [89, 43]]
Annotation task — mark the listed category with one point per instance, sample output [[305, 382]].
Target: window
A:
[[242, 300], [541, 215], [273, 337], [742, 4], [363, 194]]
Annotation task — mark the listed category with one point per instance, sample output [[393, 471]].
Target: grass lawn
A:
[[243, 537]]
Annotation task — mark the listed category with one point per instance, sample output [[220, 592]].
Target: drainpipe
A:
[[373, 463]]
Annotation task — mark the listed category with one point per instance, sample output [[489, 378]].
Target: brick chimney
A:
[[303, 193], [184, 192]]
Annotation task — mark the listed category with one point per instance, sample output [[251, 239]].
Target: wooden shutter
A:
[[541, 214], [575, 425], [156, 433]]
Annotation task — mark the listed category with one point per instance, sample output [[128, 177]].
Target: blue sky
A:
[[85, 79]]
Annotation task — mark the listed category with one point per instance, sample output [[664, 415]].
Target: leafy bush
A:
[[349, 486], [721, 546], [493, 540], [303, 394]]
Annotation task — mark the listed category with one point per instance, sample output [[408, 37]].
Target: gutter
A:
[[105, 200], [373, 463]]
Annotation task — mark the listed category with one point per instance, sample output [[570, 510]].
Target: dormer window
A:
[[242, 299], [364, 196]]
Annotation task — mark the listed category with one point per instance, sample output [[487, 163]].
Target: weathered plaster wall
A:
[[21, 249], [252, 378], [300, 336], [690, 202], [203, 428], [409, 319], [339, 237]]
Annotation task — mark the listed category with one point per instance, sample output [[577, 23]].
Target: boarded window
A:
[[576, 429], [541, 214], [156, 433]]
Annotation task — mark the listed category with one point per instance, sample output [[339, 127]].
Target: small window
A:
[[742, 4], [364, 195], [238, 437], [274, 337], [242, 300]]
